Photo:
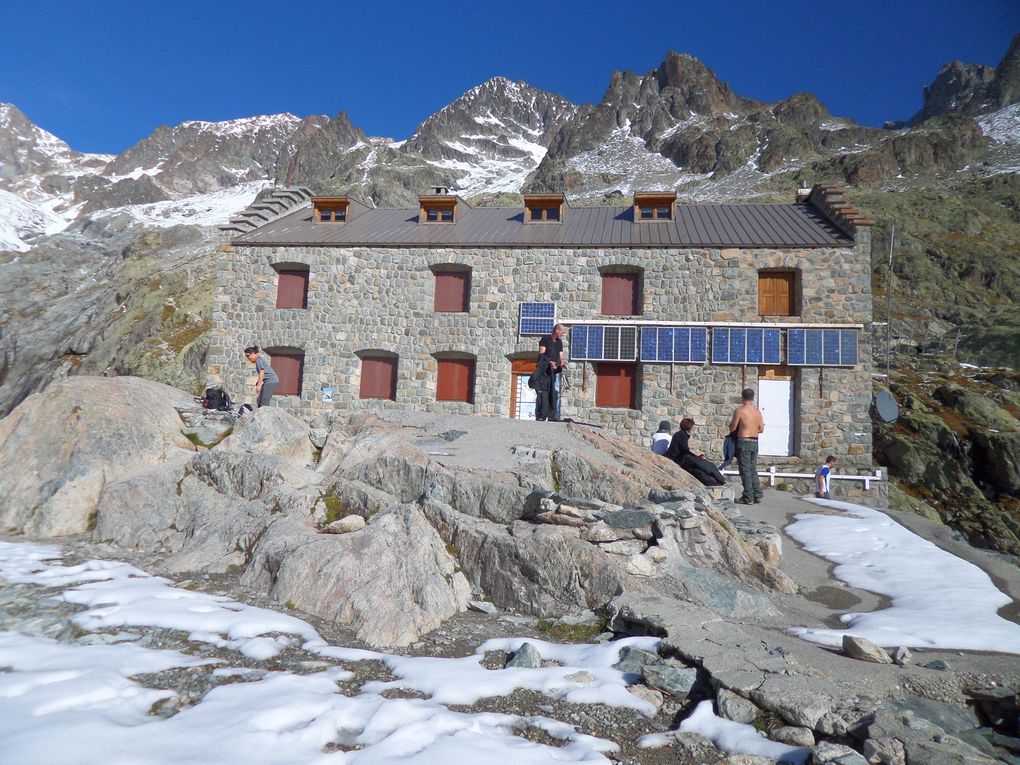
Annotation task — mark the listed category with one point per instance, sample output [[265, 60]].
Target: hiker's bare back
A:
[[747, 421]]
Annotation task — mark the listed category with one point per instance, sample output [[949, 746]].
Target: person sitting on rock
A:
[[680, 452], [661, 438]]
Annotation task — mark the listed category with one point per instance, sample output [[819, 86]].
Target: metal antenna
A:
[[888, 304]]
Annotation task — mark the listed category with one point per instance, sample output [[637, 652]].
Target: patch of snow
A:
[[245, 124], [1002, 125], [55, 693], [211, 209], [938, 600], [729, 736], [21, 220]]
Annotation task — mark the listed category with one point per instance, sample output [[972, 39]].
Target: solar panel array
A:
[[821, 347], [595, 342], [746, 345], [680, 345], [537, 318]]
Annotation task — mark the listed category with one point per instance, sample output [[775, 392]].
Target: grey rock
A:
[[626, 547], [793, 735], [827, 753], [938, 664], [271, 430], [677, 681], [628, 519], [951, 718], [527, 656], [901, 655], [58, 450], [632, 662], [482, 606], [864, 650], [736, 708], [346, 525]]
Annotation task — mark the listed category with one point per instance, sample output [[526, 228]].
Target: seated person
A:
[[680, 452], [661, 438]]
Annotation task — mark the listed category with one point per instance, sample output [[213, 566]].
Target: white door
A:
[[525, 399], [775, 399]]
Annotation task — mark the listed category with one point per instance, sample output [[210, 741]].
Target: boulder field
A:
[[390, 523]]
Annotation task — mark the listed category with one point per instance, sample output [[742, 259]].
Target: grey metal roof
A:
[[765, 225]]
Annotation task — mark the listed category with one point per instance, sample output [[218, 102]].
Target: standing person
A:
[[661, 438], [550, 364], [749, 424], [822, 476], [267, 380]]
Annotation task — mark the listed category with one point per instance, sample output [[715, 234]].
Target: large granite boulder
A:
[[271, 431], [60, 447]]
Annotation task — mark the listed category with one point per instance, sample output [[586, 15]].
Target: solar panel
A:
[[821, 347], [537, 318], [682, 345], [746, 345], [603, 343]]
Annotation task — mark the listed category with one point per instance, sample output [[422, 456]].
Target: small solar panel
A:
[[821, 347], [650, 344], [537, 318], [699, 345], [746, 345], [720, 345], [772, 346], [579, 342]]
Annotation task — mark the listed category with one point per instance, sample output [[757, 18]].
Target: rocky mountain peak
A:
[[972, 89], [693, 87]]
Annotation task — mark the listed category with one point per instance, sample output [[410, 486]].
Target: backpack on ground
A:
[[216, 398], [244, 409]]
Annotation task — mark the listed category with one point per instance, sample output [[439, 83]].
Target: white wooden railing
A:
[[772, 474]]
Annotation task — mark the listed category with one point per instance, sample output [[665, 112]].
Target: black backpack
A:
[[216, 398]]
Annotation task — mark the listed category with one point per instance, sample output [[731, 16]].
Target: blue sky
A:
[[103, 74]]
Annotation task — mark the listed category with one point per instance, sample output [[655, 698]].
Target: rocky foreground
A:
[[389, 531]]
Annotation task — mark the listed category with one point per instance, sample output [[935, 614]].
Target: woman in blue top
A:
[[267, 381]]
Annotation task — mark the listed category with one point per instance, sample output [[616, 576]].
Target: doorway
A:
[[522, 398], [776, 399]]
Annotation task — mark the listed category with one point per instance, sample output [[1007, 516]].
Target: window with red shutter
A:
[[621, 293], [292, 288], [453, 291], [615, 385], [456, 380], [379, 377], [289, 366]]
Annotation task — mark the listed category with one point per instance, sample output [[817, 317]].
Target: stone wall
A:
[[381, 298]]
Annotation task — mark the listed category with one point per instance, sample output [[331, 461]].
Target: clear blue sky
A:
[[103, 74]]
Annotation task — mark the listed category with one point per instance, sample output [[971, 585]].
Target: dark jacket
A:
[[729, 449]]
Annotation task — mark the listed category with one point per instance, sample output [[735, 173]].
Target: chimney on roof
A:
[[440, 190], [803, 193]]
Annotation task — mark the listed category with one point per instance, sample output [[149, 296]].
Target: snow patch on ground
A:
[[938, 600]]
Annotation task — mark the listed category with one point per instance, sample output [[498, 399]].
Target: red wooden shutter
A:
[[292, 289], [453, 289], [379, 377], [614, 385], [289, 367], [456, 380], [620, 294]]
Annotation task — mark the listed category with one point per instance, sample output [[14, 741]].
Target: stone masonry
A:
[[381, 299]]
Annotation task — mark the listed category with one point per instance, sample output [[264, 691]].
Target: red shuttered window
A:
[[292, 288], [289, 367], [453, 291], [456, 380], [615, 385], [621, 294], [379, 377]]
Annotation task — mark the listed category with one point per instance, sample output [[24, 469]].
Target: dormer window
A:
[[330, 209], [438, 208], [654, 206], [543, 208]]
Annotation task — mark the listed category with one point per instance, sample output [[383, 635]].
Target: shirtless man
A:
[[748, 423]]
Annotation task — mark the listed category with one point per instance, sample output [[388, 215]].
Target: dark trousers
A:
[[747, 463], [268, 389], [545, 406]]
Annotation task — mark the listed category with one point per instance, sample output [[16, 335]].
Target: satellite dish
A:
[[887, 407]]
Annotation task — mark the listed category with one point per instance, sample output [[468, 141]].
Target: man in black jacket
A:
[[550, 364]]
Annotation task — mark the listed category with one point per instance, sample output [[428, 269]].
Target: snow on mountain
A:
[[22, 221], [1003, 128], [211, 209]]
